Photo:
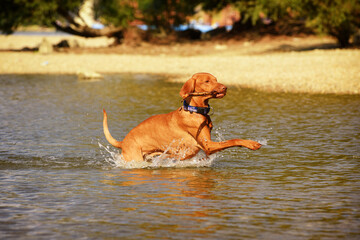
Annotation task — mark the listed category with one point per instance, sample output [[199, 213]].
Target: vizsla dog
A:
[[180, 134]]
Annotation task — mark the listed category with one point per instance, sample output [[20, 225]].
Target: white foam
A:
[[116, 160], [262, 141]]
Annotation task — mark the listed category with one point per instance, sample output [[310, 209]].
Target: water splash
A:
[[115, 159], [219, 135], [262, 141]]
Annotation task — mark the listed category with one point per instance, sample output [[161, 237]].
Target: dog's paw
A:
[[252, 145]]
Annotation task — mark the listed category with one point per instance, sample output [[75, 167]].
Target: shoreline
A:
[[316, 71]]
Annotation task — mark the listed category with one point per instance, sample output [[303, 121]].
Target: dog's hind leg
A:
[[132, 153]]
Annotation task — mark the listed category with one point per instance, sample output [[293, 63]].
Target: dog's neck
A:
[[198, 102], [201, 107], [193, 109]]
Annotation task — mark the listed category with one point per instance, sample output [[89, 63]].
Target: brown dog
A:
[[180, 134]]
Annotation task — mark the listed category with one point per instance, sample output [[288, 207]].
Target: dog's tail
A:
[[108, 136]]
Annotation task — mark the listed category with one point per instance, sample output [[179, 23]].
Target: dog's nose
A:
[[223, 88]]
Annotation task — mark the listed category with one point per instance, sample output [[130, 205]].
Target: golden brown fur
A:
[[180, 133]]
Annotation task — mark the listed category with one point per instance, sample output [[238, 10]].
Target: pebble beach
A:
[[278, 65]]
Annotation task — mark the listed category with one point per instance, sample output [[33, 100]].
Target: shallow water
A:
[[59, 179]]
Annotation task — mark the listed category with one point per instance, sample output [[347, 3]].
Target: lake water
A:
[[60, 179]]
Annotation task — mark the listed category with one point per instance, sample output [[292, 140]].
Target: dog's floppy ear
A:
[[188, 87]]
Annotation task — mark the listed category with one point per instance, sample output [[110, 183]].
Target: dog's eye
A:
[[207, 81]]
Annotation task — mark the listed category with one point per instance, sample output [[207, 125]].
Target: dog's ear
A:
[[188, 87]]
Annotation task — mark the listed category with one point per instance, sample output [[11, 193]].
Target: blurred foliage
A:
[[14, 13], [339, 18], [115, 12], [164, 14], [253, 10]]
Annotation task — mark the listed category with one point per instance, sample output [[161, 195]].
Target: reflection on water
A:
[[56, 182]]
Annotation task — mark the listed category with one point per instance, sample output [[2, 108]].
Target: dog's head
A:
[[203, 82]]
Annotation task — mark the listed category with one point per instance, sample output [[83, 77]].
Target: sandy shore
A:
[[247, 64]]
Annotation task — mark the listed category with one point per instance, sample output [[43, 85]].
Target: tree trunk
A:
[[343, 33], [85, 31], [81, 24]]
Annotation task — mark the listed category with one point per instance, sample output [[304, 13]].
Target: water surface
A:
[[59, 178]]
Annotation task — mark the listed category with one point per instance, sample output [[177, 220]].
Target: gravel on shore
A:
[[318, 71]]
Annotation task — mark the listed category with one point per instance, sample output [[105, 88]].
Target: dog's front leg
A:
[[210, 147]]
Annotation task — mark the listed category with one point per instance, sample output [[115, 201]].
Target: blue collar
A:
[[200, 110]]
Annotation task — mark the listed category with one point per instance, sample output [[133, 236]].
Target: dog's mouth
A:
[[219, 94]]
